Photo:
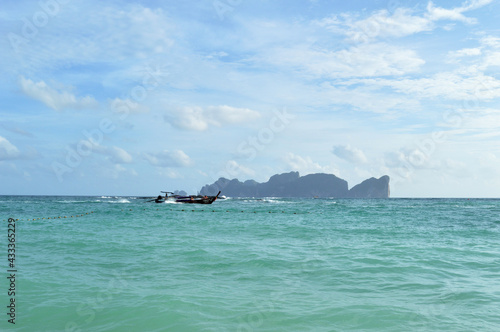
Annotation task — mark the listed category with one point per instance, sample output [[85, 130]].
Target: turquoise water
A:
[[120, 264]]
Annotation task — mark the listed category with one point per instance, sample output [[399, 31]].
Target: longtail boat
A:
[[192, 199]]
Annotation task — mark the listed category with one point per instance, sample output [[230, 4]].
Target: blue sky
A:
[[130, 98]]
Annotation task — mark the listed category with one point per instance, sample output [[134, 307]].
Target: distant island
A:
[[293, 185]]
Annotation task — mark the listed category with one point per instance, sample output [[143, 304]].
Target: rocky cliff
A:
[[293, 185], [371, 188]]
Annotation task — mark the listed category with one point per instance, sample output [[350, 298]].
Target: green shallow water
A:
[[254, 265]]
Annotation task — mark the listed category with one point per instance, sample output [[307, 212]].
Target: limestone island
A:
[[293, 185]]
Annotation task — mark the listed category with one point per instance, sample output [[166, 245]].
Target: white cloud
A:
[[350, 154], [365, 60], [305, 165], [486, 55], [450, 85], [364, 97], [199, 118], [115, 171], [176, 158], [382, 24], [219, 115], [455, 14], [475, 4], [114, 34], [402, 22], [8, 150], [481, 124], [190, 118], [169, 173], [239, 169], [487, 159], [114, 154], [413, 163], [491, 59], [118, 155], [466, 52], [57, 100], [491, 41]]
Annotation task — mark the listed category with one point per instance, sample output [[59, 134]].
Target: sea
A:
[[107, 263]]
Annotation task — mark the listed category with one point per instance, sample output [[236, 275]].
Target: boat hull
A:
[[190, 199], [209, 200]]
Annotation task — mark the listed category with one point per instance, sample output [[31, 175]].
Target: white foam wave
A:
[[121, 200]]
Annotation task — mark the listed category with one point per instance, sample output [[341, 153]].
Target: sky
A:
[[136, 97]]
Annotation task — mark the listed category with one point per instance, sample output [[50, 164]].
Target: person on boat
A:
[[159, 199]]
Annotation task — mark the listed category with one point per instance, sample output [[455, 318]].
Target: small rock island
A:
[[293, 185]]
